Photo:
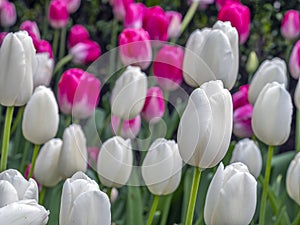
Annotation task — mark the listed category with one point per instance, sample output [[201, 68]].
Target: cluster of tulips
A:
[[126, 126]]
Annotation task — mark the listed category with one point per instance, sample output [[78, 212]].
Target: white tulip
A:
[[82, 203], [247, 152], [115, 161], [40, 118], [231, 190], [14, 187], [43, 70], [272, 114], [16, 62], [268, 71], [46, 166], [161, 169], [205, 127], [297, 95], [293, 179], [129, 93], [212, 54], [25, 212], [73, 156]]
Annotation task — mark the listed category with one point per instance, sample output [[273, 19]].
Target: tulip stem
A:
[[188, 16], [42, 195], [17, 119], [63, 34], [33, 159], [113, 43], [120, 127], [62, 62], [45, 22], [153, 209], [265, 187], [55, 42], [5, 140], [298, 131], [193, 196]]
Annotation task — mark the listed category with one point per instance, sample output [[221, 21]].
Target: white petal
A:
[[8, 193]]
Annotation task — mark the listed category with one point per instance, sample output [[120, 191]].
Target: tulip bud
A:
[[221, 3], [154, 107], [294, 61], [8, 14], [290, 25], [58, 14], [78, 93], [240, 98], [292, 179], [130, 128], [212, 54], [174, 19], [114, 162], [32, 29], [161, 169], [129, 93], [231, 189], [135, 47], [25, 212], [268, 71], [242, 121], [84, 52], [14, 187], [120, 7], [247, 152], [239, 17], [36, 127], [272, 114], [252, 62], [16, 62], [77, 34], [43, 46], [43, 71], [156, 23], [205, 127], [82, 203], [134, 15], [167, 67], [73, 155], [46, 166], [72, 5]]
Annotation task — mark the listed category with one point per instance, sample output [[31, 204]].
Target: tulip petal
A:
[[8, 193], [66, 203], [292, 181]]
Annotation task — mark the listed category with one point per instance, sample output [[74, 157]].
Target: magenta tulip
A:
[[290, 25], [167, 67], [294, 62], [84, 52], [77, 33], [174, 19], [78, 93], [242, 121], [130, 128], [72, 5], [8, 14], [2, 36], [239, 16], [135, 47], [221, 3], [58, 14], [240, 97], [119, 8], [134, 15], [42, 46], [31, 28]]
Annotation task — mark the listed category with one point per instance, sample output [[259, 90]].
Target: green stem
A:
[[153, 209], [6, 135], [108, 192], [55, 42], [298, 131], [113, 44], [45, 22], [34, 156], [166, 209], [189, 15], [119, 127], [24, 156], [62, 62], [62, 46], [193, 196], [42, 195], [265, 187], [17, 119]]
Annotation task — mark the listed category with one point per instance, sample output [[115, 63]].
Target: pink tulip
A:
[[135, 47], [58, 14], [242, 121], [239, 16], [221, 3], [42, 46], [130, 128], [92, 156], [134, 15], [154, 107], [31, 28], [156, 23], [2, 36], [167, 67], [119, 8], [84, 52], [174, 19], [77, 34], [78, 93], [8, 14], [240, 98], [290, 25], [294, 62], [72, 5]]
